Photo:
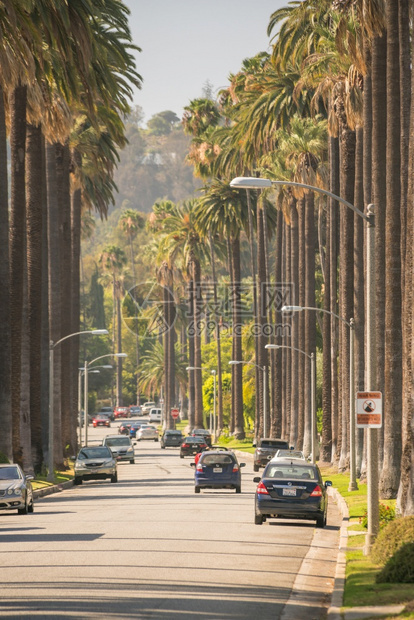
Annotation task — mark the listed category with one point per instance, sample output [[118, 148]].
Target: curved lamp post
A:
[[264, 371], [372, 435], [85, 386], [353, 486], [81, 371], [52, 345]]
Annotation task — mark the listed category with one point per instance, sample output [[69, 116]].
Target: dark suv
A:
[[266, 448]]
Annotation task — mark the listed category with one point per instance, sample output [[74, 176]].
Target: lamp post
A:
[[85, 386], [353, 486], [213, 372], [264, 371], [52, 345], [372, 434], [81, 371], [311, 356]]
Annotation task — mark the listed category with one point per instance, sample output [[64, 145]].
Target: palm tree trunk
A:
[[276, 368], [294, 233], [238, 430], [310, 326], [326, 443], [198, 383], [191, 362], [255, 308], [303, 396], [34, 206], [218, 340], [17, 250], [119, 395], [76, 207], [5, 332]]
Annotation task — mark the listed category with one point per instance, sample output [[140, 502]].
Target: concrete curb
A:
[[55, 488], [334, 611]]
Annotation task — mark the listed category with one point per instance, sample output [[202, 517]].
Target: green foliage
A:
[[386, 515], [400, 567], [162, 124], [391, 538], [3, 458]]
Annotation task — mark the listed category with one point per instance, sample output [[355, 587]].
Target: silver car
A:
[[95, 463], [16, 491], [147, 432], [121, 447]]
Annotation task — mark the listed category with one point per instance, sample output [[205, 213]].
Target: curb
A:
[[55, 488], [334, 611]]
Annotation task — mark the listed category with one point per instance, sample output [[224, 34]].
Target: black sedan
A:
[[202, 432], [171, 439], [16, 491], [290, 489], [192, 445]]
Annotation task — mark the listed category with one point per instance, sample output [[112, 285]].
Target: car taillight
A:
[[184, 445], [261, 489], [317, 492], [235, 468], [199, 467]]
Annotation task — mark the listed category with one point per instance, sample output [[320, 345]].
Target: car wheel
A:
[[30, 507], [114, 478], [258, 519], [24, 510], [181, 456], [162, 447], [238, 489], [77, 480], [196, 489], [255, 468], [321, 521], [132, 462], [155, 439]]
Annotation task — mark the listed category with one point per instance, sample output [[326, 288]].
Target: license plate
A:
[[217, 470], [291, 492]]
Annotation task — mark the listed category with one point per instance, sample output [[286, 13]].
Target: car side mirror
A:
[[292, 448], [254, 444], [29, 477], [192, 464], [256, 479], [135, 443], [328, 483], [242, 464]]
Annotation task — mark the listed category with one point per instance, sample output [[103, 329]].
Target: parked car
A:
[[95, 463], [217, 469], [155, 415], [204, 433], [289, 454], [108, 411], [291, 490], [192, 445], [124, 428], [147, 431], [146, 407], [171, 439], [16, 492], [121, 447], [100, 420], [134, 410], [266, 449], [121, 412]]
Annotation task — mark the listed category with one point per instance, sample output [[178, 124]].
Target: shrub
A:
[[400, 567], [386, 514], [391, 538], [3, 458]]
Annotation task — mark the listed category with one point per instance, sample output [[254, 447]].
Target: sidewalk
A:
[[52, 488]]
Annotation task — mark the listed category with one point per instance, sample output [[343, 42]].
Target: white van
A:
[[155, 415]]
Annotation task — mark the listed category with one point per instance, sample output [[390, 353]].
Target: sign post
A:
[[175, 413]]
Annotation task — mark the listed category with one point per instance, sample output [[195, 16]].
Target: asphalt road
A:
[[149, 548]]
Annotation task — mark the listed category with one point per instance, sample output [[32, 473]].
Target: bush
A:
[[400, 567], [386, 514], [391, 538], [3, 458]]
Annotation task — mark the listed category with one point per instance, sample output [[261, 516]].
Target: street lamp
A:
[[311, 356], [353, 486], [85, 386], [213, 372], [52, 345], [81, 371], [372, 435], [264, 371]]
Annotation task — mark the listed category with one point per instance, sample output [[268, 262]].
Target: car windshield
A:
[[117, 441], [100, 452], [201, 431], [9, 473], [293, 454], [173, 433], [217, 459], [194, 440], [289, 471], [269, 443]]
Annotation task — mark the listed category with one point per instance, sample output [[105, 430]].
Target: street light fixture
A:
[[311, 356], [81, 371], [85, 386], [264, 371], [52, 345], [353, 486]]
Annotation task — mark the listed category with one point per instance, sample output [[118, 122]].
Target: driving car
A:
[[108, 411], [289, 454], [147, 431], [100, 420], [121, 447], [146, 407], [95, 463], [124, 428], [291, 489], [134, 428], [122, 412], [155, 415], [202, 432], [266, 449], [171, 439], [16, 492], [192, 445], [134, 410], [217, 469]]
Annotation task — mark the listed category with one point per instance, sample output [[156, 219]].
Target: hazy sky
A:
[[187, 42]]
